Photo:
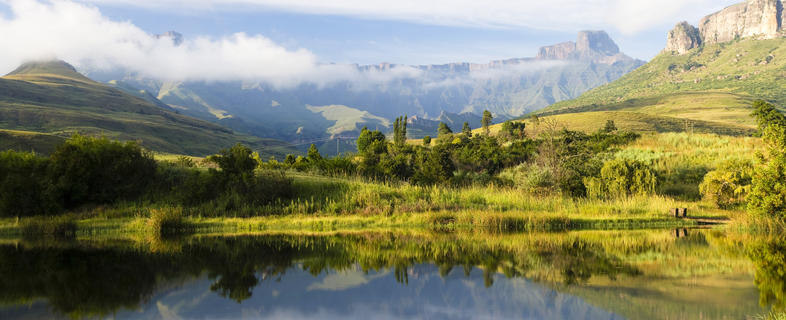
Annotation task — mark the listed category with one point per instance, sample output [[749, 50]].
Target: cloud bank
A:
[[81, 35], [627, 16]]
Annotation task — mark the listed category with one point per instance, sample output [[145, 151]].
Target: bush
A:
[[24, 185], [729, 185], [97, 170], [768, 190], [621, 178]]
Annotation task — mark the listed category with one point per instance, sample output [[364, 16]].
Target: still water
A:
[[661, 274]]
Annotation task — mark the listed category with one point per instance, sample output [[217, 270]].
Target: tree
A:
[[610, 126], [427, 140], [313, 155], [444, 129], [400, 131], [97, 170], [621, 178], [466, 130], [768, 190], [513, 130], [729, 184], [486, 121], [367, 138], [434, 166], [235, 161]]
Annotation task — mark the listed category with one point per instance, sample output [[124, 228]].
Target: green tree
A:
[[621, 178], [610, 126], [236, 161], [313, 155], [435, 166], [444, 129], [97, 170], [512, 130], [466, 130], [24, 185], [400, 131], [367, 139], [427, 140], [729, 184], [486, 121], [768, 190]]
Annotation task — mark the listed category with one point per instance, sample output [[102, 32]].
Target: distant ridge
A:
[[49, 99], [54, 67]]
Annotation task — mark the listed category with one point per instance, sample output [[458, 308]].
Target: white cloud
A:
[[626, 16], [81, 35]]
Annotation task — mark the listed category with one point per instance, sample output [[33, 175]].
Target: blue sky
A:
[[287, 41]]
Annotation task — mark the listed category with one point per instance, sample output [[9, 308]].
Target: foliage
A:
[[400, 131], [729, 184], [768, 192], [466, 130], [485, 122], [427, 141], [97, 170], [25, 187], [513, 130], [444, 129], [610, 126], [621, 178]]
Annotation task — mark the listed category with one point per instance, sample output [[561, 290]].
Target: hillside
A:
[[53, 99], [699, 77]]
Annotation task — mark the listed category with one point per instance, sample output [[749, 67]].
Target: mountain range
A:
[[451, 93]]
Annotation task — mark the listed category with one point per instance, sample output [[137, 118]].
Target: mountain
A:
[[43, 102], [710, 74], [307, 112]]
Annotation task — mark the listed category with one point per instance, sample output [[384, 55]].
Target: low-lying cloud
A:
[[81, 35]]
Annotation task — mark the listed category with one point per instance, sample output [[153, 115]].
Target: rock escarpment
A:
[[594, 46], [754, 18], [683, 38]]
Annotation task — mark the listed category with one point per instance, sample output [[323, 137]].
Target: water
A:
[[424, 274]]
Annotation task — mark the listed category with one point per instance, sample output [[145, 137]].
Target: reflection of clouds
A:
[[343, 280], [351, 294]]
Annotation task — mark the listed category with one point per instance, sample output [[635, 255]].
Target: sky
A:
[[287, 41]]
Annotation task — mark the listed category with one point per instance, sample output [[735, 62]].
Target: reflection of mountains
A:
[[308, 276]]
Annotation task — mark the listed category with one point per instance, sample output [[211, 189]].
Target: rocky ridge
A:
[[753, 18]]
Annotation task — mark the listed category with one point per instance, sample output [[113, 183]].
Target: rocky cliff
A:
[[594, 46], [753, 18]]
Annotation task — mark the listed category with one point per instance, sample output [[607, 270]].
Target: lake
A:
[[429, 274]]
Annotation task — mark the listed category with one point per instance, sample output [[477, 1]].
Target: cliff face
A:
[[594, 46], [753, 18], [683, 38]]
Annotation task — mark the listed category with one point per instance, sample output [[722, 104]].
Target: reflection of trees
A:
[[89, 281], [770, 261]]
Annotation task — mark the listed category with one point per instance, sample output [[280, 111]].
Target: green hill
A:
[[53, 99], [715, 83]]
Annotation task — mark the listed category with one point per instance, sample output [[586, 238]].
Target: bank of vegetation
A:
[[520, 178]]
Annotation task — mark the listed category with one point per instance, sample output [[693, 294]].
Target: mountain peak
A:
[[50, 67], [589, 45], [175, 36]]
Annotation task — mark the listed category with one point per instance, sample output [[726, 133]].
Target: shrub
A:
[[728, 185], [621, 178], [97, 170], [768, 190], [24, 185]]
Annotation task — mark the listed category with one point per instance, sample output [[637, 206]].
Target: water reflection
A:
[[580, 275]]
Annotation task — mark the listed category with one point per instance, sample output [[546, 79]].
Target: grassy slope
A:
[[54, 100], [713, 86], [27, 141]]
